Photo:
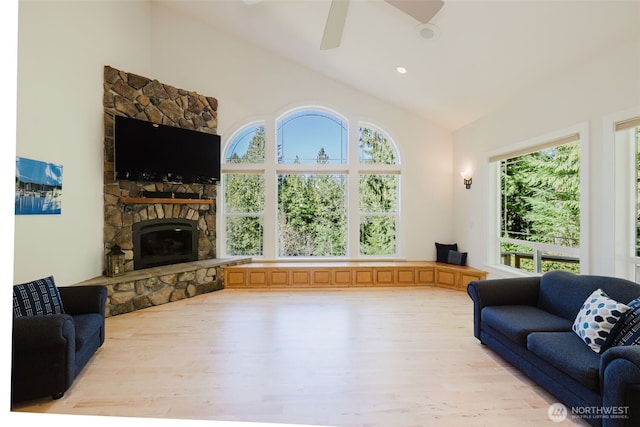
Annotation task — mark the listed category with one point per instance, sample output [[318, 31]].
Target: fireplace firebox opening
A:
[[164, 241]]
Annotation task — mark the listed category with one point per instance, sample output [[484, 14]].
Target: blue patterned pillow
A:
[[629, 332], [598, 315], [37, 298]]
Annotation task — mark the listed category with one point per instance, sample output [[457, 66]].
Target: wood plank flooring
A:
[[349, 357]]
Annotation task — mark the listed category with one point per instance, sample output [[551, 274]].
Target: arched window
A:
[[296, 201]]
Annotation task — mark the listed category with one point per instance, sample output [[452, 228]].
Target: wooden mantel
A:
[[166, 200]]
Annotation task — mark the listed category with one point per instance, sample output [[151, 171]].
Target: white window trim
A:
[[493, 206], [620, 155]]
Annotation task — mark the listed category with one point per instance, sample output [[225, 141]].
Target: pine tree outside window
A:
[[540, 205]]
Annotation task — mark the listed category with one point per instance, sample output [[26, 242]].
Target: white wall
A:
[[586, 93], [62, 49]]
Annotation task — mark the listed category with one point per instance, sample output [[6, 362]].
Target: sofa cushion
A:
[[37, 298], [598, 315], [627, 330], [566, 352], [86, 325], [517, 321]]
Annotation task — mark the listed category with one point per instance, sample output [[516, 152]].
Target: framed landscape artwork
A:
[[38, 187]]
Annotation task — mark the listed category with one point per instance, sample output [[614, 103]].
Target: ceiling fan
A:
[[421, 10]]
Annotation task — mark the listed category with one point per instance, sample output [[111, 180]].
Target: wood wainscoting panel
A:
[[300, 277], [235, 278], [406, 276], [350, 274], [321, 277], [446, 277], [425, 275], [278, 277], [362, 276], [257, 277], [341, 276], [384, 276]]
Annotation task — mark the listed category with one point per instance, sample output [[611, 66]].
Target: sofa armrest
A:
[[42, 331], [620, 382], [42, 356], [514, 291], [84, 299]]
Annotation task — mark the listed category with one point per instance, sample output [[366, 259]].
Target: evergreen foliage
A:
[[541, 201]]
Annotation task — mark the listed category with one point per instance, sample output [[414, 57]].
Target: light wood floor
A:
[[352, 357]]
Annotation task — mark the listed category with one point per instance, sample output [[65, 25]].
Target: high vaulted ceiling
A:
[[484, 53]]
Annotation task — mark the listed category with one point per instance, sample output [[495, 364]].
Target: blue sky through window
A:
[[303, 134], [240, 143]]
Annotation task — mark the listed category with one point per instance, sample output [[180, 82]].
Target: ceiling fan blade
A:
[[335, 24], [422, 10]]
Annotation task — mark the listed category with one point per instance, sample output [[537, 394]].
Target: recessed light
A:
[[401, 70]]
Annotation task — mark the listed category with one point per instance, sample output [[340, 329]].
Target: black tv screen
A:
[[146, 151]]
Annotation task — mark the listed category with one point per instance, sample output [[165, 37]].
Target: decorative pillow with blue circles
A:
[[598, 315]]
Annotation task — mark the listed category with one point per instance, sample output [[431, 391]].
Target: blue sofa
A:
[[528, 321], [56, 331]]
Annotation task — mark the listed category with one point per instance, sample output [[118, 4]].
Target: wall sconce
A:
[[466, 179]]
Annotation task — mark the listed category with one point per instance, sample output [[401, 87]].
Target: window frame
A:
[[351, 169], [626, 262], [494, 239]]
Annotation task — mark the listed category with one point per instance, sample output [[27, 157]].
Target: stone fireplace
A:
[[167, 230], [126, 205]]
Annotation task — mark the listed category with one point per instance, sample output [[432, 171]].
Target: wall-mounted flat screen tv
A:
[[146, 151]]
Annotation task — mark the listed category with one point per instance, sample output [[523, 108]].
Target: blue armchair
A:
[[56, 331]]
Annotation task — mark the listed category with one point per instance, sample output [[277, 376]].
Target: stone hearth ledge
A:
[[138, 289]]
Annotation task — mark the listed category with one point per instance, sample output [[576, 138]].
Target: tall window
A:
[[312, 216], [296, 201], [244, 193], [378, 195], [539, 213]]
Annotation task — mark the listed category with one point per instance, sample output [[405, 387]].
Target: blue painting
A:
[[38, 187]]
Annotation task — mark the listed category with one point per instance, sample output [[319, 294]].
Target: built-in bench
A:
[[349, 274]]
